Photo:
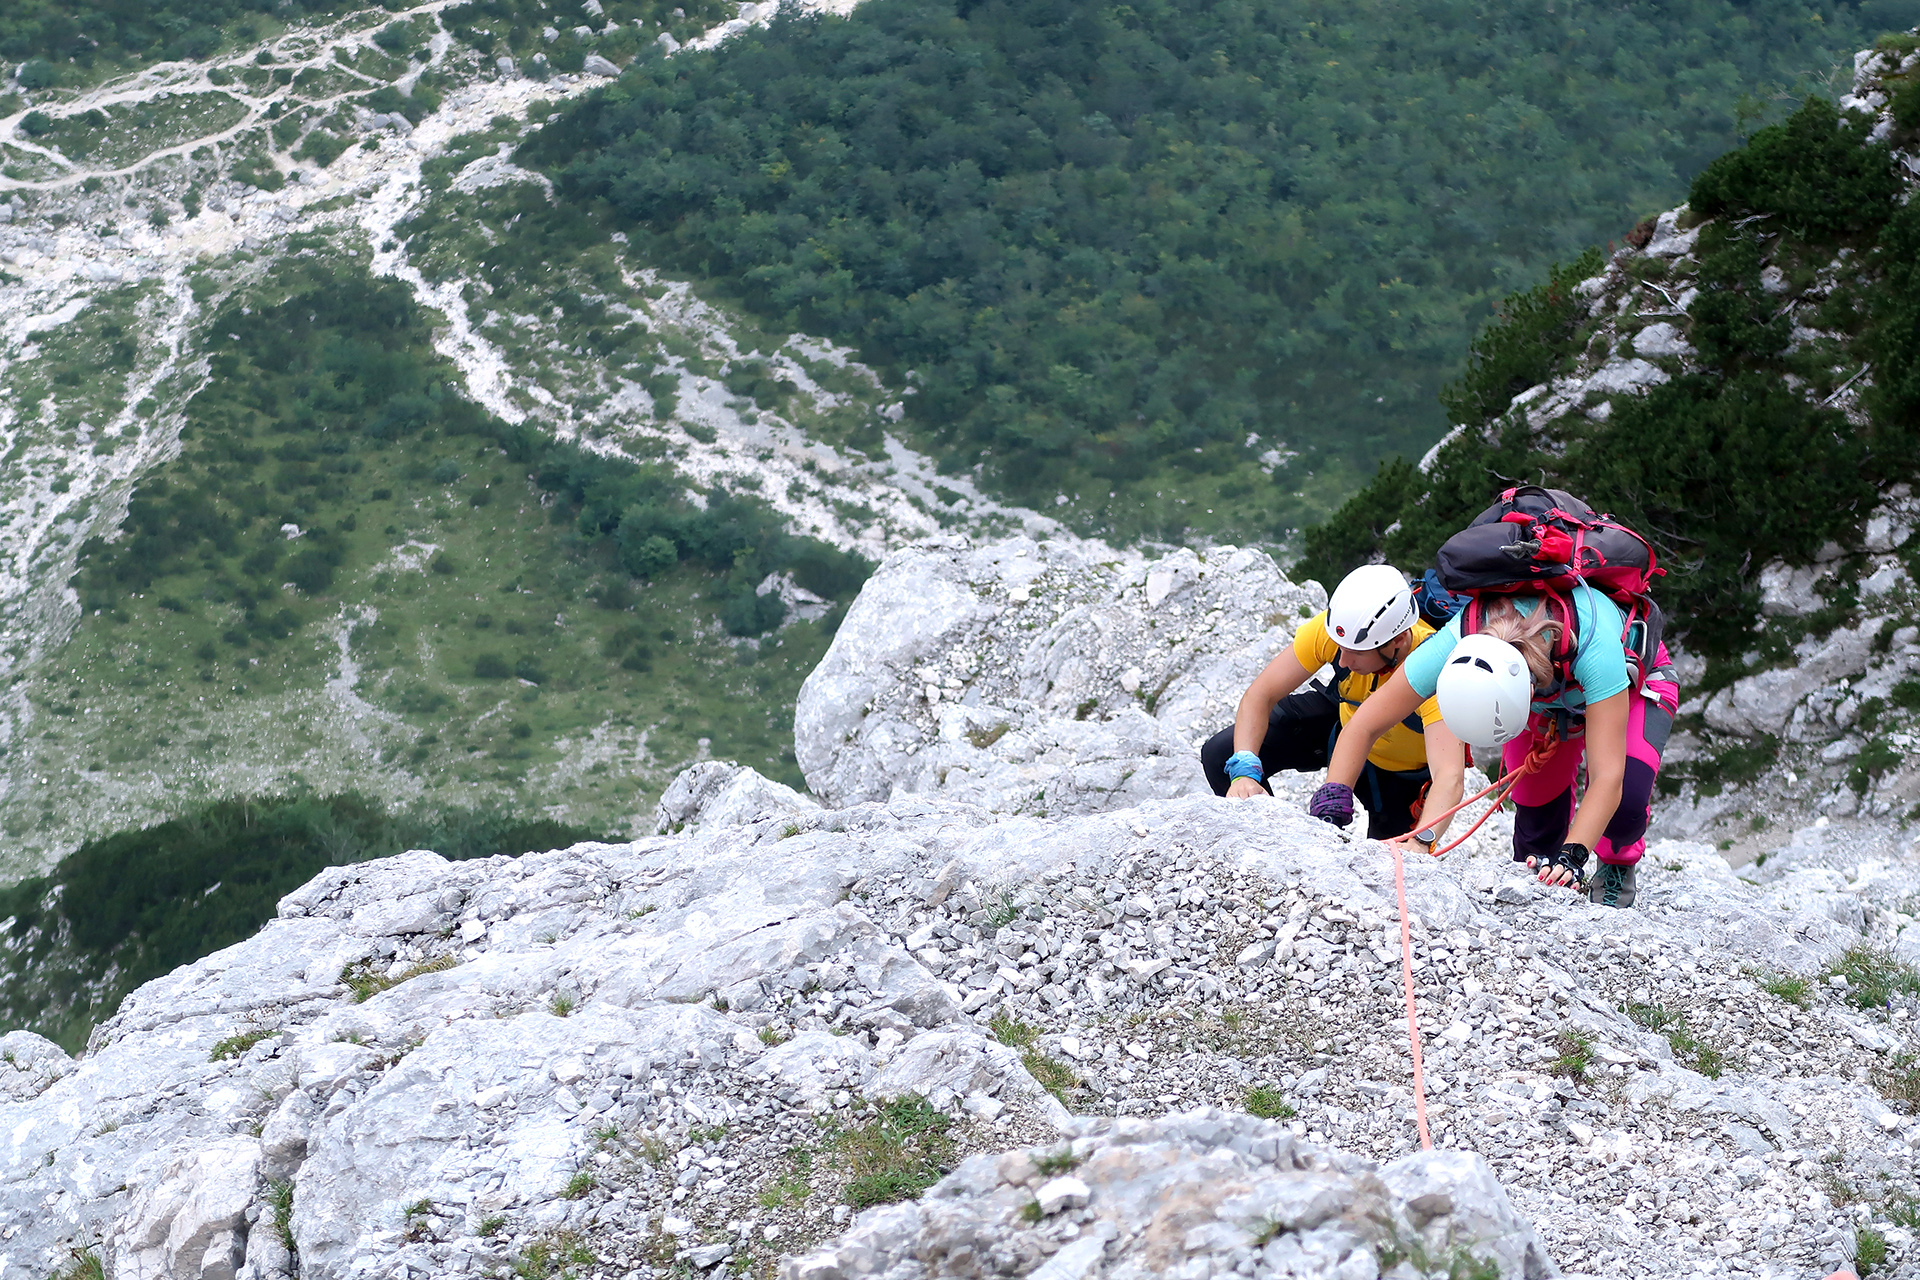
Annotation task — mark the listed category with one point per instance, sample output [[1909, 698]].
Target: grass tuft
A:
[[1576, 1055], [366, 984], [236, 1045], [280, 1205], [86, 1265], [1869, 1251], [1898, 1080], [898, 1154], [1784, 986], [1053, 1163], [1269, 1103], [1688, 1049], [1012, 1032], [1874, 976]]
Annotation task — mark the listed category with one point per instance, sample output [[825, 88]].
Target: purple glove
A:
[[1333, 803]]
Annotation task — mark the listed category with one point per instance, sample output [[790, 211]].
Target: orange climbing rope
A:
[[1537, 757], [1406, 984]]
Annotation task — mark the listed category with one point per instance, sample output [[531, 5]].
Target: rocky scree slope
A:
[[707, 1048]]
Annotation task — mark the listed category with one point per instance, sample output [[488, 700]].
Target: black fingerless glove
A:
[[1573, 857]]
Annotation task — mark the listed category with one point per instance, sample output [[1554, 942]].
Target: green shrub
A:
[[38, 73], [1815, 173], [748, 614], [1727, 467], [645, 557], [491, 666], [1905, 104], [1875, 758], [1524, 345], [36, 124]]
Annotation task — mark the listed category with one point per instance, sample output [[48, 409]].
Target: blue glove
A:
[[1333, 803]]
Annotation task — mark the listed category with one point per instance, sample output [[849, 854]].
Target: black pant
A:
[[1300, 736]]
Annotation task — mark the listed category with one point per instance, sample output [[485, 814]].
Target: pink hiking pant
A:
[[1544, 801]]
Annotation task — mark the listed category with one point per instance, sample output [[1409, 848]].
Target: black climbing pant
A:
[[1300, 735]]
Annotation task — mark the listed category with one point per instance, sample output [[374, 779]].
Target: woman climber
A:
[[1510, 672], [1367, 630]]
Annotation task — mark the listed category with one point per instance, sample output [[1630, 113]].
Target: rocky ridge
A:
[[707, 1048]]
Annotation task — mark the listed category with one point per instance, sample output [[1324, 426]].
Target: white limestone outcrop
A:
[[1040, 677]]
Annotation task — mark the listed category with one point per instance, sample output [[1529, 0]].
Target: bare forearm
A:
[[1250, 721], [1445, 793], [1597, 807]]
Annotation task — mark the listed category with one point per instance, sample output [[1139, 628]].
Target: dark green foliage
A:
[[1875, 758], [36, 124], [647, 556], [114, 32], [1906, 104], [1892, 337], [1112, 243], [1906, 694], [1532, 335], [129, 907], [1727, 468], [35, 73], [1814, 173], [1725, 476]]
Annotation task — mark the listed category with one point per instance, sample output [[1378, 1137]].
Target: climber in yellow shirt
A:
[[1369, 627]]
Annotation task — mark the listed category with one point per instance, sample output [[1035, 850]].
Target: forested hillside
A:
[[91, 35], [1177, 268]]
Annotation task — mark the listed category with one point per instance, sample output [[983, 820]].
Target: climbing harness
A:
[[1536, 758]]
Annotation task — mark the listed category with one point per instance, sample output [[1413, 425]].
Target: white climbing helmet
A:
[[1485, 691], [1372, 606]]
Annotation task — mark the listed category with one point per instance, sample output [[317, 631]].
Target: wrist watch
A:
[[1427, 838]]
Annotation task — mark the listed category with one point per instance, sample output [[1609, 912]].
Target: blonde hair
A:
[[1534, 634]]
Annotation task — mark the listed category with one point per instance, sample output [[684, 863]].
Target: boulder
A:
[[1041, 677], [721, 793]]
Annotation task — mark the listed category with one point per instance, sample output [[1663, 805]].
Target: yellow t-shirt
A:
[[1399, 748]]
